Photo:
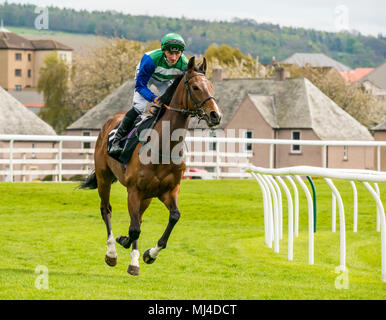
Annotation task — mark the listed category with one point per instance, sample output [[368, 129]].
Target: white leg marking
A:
[[134, 258], [111, 252], [155, 251]]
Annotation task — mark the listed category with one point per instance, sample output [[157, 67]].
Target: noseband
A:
[[197, 112]]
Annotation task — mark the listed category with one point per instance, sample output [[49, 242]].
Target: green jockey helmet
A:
[[172, 42]]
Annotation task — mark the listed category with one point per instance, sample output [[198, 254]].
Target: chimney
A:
[[217, 75], [280, 73]]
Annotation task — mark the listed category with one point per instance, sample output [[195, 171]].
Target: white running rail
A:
[[273, 217]]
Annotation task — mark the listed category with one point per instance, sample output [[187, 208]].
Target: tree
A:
[[53, 82], [233, 62], [99, 71]]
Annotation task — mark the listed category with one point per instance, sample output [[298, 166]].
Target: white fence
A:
[[269, 181], [61, 160]]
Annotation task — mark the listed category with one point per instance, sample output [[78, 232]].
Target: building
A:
[[291, 109], [315, 60], [375, 81], [380, 135], [21, 59], [17, 119], [356, 74], [30, 99], [262, 108]]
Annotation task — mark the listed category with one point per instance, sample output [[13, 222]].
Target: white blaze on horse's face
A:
[[201, 90]]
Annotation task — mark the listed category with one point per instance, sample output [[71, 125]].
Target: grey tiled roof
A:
[[380, 127], [17, 119], [377, 76], [315, 60]]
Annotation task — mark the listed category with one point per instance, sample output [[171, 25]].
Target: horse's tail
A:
[[90, 182]]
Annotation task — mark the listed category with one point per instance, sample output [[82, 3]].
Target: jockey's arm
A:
[[146, 70]]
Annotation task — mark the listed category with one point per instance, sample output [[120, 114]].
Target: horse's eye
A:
[[195, 88]]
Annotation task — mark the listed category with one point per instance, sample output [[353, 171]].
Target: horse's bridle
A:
[[198, 112]]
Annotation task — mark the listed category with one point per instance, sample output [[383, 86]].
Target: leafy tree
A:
[[99, 71], [53, 82]]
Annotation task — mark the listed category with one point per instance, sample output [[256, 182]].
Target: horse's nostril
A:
[[215, 117]]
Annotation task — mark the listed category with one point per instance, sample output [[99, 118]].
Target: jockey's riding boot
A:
[[122, 131]]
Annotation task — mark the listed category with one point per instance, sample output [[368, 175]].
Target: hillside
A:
[[257, 39], [77, 41]]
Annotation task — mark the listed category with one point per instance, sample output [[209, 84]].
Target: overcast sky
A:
[[366, 16]]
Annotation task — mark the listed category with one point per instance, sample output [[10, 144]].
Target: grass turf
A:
[[216, 250]]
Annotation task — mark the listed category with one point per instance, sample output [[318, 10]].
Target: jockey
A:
[[158, 67]]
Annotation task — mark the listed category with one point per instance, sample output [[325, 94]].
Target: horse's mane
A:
[[166, 98]]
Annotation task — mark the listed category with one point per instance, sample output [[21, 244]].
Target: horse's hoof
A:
[[123, 241], [112, 262], [133, 270], [147, 258]]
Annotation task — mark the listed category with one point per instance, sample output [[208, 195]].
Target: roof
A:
[[119, 100], [380, 127], [377, 76], [355, 75], [292, 103], [309, 109], [10, 40], [17, 119], [28, 97], [315, 60], [50, 45]]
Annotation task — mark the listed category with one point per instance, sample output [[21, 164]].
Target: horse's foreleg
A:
[[170, 200], [136, 208], [134, 263]]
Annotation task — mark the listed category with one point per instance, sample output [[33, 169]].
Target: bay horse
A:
[[191, 94]]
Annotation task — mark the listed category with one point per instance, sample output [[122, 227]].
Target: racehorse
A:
[[190, 95]]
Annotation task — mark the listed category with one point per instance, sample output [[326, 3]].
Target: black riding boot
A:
[[122, 131]]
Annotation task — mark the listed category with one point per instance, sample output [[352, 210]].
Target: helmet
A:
[[172, 42]]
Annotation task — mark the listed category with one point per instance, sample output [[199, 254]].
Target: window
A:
[[63, 56], [33, 155], [29, 73], [345, 153], [18, 72], [17, 87], [212, 145], [295, 148], [18, 56], [86, 145], [29, 57], [248, 146]]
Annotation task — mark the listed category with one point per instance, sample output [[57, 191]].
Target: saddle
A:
[[143, 122]]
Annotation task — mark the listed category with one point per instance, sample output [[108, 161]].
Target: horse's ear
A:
[[191, 64], [202, 65]]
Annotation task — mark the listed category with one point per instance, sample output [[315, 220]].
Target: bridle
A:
[[197, 112]]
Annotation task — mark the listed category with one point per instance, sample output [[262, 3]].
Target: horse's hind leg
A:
[[170, 201], [104, 186]]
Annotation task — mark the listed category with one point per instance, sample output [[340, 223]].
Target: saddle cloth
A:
[[128, 144]]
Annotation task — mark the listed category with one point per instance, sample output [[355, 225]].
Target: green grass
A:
[[216, 250]]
